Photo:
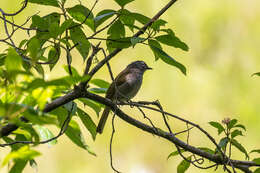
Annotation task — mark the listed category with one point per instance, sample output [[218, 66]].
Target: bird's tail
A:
[[103, 120]]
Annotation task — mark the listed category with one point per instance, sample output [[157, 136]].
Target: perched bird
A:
[[124, 87]]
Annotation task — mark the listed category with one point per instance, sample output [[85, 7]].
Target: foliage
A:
[[25, 92]]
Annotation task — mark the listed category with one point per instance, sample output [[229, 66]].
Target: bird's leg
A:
[[130, 103]]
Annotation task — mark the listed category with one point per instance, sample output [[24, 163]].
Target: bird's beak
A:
[[149, 68]]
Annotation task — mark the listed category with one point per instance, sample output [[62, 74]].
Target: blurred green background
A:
[[224, 39]]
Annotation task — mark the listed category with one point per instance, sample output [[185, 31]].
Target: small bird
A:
[[124, 87]]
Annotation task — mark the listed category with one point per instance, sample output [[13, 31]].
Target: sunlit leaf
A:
[[184, 165], [45, 134], [80, 13], [24, 153], [54, 3]]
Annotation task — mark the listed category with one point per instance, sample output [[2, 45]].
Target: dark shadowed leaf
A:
[[127, 18], [240, 126], [257, 170], [88, 122], [171, 40], [255, 151], [218, 126], [122, 3], [223, 142], [18, 166], [257, 160], [168, 59], [140, 18], [236, 133], [232, 123], [120, 43], [256, 74], [184, 165], [45, 2], [153, 43]]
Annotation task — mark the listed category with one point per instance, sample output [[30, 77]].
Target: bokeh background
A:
[[224, 39]]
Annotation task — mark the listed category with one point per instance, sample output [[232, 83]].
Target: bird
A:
[[124, 87]]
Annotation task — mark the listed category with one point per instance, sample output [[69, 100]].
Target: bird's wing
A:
[[118, 82]]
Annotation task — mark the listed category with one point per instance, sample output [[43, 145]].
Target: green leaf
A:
[[157, 24], [116, 30], [53, 56], [39, 22], [95, 106], [257, 170], [18, 166], [256, 74], [257, 160], [184, 165], [223, 142], [79, 13], [240, 126], [135, 40], [122, 3], [71, 107], [141, 18], [218, 126], [102, 16], [171, 40], [126, 18], [78, 37], [168, 59], [65, 25], [100, 83], [175, 153], [153, 43], [120, 43], [53, 3], [75, 135], [208, 150], [255, 151], [239, 147], [24, 153], [88, 122], [231, 123], [34, 165], [98, 90], [54, 30], [13, 61], [236, 133], [45, 134]]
